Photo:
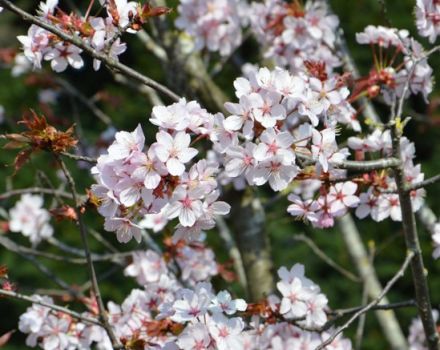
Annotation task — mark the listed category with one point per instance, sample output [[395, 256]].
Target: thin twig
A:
[[422, 184], [312, 245], [85, 101], [79, 158], [373, 303], [18, 296], [83, 231], [38, 190], [391, 306]]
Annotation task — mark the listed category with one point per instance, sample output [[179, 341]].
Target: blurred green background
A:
[[127, 109]]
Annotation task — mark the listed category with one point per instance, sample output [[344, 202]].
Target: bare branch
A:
[[18, 296], [326, 258], [83, 230], [392, 306], [38, 190], [388, 320], [422, 184], [367, 165], [72, 90], [80, 158], [373, 303]]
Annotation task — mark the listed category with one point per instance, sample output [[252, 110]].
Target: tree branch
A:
[[37, 190], [77, 41], [18, 296], [359, 255], [366, 165], [83, 231], [312, 245], [373, 303]]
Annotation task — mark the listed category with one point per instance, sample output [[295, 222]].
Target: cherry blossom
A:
[[31, 219]]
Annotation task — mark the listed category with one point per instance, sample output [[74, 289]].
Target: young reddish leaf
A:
[[21, 158]]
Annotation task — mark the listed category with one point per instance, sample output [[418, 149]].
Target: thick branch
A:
[[412, 243], [77, 41], [248, 224], [367, 165]]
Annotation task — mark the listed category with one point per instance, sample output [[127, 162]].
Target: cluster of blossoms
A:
[[164, 314], [389, 76], [281, 122], [381, 200], [30, 218], [101, 33], [292, 33], [214, 24], [133, 183], [428, 18]]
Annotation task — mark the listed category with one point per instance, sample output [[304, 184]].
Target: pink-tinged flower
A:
[[266, 108], [108, 202], [303, 209], [150, 169], [126, 143], [172, 117], [155, 222], [195, 232], [146, 267], [242, 117], [369, 205], [275, 144], [294, 298], [174, 151], [221, 136], [47, 7], [55, 333], [35, 44], [428, 19], [33, 319], [186, 205], [276, 172], [324, 148], [226, 332], [390, 205], [192, 304], [195, 337], [212, 207], [62, 55], [342, 196], [124, 8], [197, 264], [223, 302], [240, 161], [30, 218], [315, 315], [124, 228]]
